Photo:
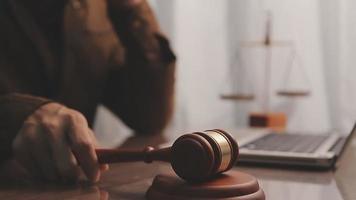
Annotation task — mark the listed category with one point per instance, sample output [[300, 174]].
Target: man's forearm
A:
[[141, 92]]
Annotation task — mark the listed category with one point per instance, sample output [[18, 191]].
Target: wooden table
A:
[[130, 181]]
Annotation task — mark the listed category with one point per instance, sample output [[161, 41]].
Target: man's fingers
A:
[[24, 158], [64, 159], [103, 167], [86, 156], [57, 142], [23, 150], [83, 147], [41, 153], [87, 159], [44, 163], [62, 156]]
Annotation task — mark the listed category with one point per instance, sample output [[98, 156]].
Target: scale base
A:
[[274, 121], [233, 185]]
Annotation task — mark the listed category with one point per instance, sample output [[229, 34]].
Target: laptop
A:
[[298, 150]]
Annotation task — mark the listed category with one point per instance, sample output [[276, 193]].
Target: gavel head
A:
[[201, 156]]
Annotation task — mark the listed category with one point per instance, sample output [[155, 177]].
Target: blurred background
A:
[[207, 36]]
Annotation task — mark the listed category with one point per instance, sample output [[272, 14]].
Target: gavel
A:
[[194, 157]]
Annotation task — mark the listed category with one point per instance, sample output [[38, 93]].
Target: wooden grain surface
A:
[[131, 181]]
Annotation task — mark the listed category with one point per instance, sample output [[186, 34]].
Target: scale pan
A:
[[238, 97], [293, 93]]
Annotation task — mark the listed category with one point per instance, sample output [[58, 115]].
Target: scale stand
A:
[[267, 119]]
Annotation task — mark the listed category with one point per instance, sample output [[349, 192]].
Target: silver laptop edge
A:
[[321, 158]]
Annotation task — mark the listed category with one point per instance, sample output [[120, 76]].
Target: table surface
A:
[[131, 180]]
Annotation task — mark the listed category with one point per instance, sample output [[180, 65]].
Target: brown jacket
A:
[[104, 55]]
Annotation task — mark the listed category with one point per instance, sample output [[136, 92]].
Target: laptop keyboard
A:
[[287, 143]]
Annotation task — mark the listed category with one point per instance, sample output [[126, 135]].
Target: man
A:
[[59, 59]]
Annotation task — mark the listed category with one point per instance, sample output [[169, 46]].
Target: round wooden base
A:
[[233, 185]]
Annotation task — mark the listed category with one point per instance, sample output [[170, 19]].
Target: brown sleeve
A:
[[14, 109], [141, 91]]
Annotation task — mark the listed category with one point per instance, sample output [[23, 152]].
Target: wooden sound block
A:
[[275, 121], [232, 185]]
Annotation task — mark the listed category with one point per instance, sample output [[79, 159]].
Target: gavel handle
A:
[[148, 155]]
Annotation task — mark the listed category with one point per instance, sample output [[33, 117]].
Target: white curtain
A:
[[339, 55], [206, 33]]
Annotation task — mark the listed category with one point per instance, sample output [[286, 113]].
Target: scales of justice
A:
[[267, 118]]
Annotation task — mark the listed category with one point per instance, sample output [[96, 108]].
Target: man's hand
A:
[[55, 142]]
